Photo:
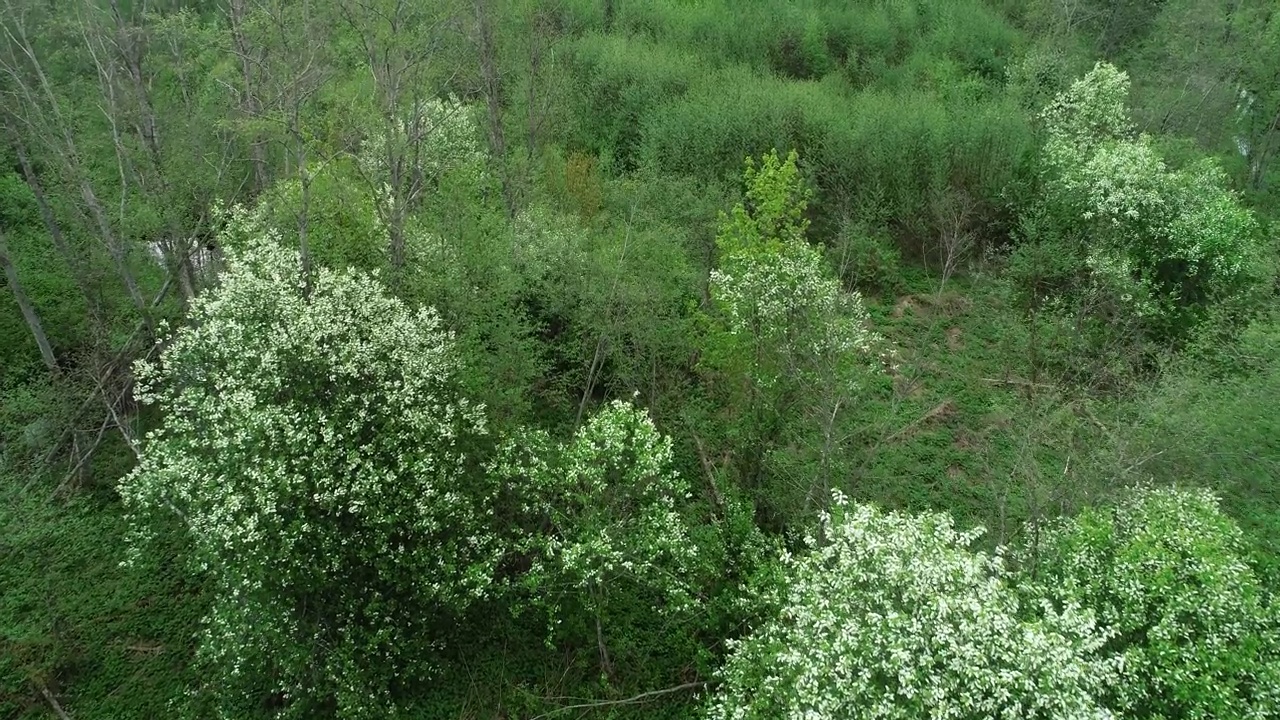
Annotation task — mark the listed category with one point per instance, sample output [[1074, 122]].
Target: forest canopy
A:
[[610, 359]]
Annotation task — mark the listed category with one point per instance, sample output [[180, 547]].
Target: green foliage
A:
[[603, 515], [622, 80], [639, 384], [342, 230], [1210, 418], [315, 450], [1185, 616], [785, 326], [893, 616], [806, 40], [1162, 243], [893, 149], [104, 638]]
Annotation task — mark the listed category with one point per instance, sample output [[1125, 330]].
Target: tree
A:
[[286, 58], [605, 514], [316, 453], [402, 44], [46, 116], [892, 616], [1162, 243], [784, 325], [1164, 572], [28, 310]]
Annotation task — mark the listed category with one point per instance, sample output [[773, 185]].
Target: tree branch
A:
[[637, 699]]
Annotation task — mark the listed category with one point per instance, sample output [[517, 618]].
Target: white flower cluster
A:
[[440, 136], [772, 286], [789, 298], [314, 447], [548, 245], [1094, 107], [1134, 209], [610, 500], [891, 616]]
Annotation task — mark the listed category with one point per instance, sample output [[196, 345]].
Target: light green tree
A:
[[891, 616], [1166, 576], [315, 452], [794, 346], [1164, 242]]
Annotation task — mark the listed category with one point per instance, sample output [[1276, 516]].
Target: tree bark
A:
[[52, 227], [249, 102], [493, 96], [58, 126], [28, 310]]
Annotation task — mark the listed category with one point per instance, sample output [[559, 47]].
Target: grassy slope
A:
[[107, 641]]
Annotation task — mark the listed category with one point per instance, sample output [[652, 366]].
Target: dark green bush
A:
[[620, 80], [902, 147]]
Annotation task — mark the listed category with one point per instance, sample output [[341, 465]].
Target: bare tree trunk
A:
[[606, 665], [493, 96], [602, 340], [401, 40], [28, 310], [249, 102], [535, 67], [304, 179], [952, 211], [51, 225], [122, 47], [114, 246], [70, 157]]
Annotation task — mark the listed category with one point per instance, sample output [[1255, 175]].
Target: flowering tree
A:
[[783, 321], [892, 616], [605, 513], [772, 287], [411, 155], [1165, 574], [1162, 241], [315, 451]]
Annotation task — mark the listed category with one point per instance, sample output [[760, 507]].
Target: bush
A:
[[315, 451], [894, 149], [1164, 244], [892, 616], [866, 259], [1187, 619], [620, 81]]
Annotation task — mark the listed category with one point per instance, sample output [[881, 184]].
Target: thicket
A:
[[528, 358]]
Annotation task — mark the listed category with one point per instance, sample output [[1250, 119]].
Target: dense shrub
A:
[[892, 616], [1165, 572], [621, 80], [1160, 244], [315, 449], [898, 149]]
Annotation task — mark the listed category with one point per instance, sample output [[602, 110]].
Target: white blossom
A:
[[1142, 220], [1165, 573], [313, 447], [891, 616]]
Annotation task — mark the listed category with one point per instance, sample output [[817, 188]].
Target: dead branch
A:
[[1019, 383], [711, 475], [635, 700], [53, 701], [941, 409]]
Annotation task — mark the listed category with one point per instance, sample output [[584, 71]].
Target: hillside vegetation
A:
[[615, 359]]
